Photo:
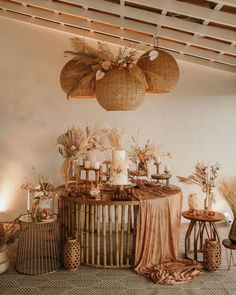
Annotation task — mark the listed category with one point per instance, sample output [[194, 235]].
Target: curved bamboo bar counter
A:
[[105, 228]]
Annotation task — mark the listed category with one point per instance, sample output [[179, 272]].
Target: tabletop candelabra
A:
[[162, 177]]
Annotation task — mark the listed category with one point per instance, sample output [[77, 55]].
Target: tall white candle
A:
[[28, 200]]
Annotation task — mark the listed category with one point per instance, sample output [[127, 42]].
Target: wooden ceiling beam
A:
[[157, 19], [191, 10], [110, 39], [116, 32], [134, 25], [226, 2]]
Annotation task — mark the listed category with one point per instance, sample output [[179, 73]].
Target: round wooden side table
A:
[[198, 225], [39, 246], [229, 245]]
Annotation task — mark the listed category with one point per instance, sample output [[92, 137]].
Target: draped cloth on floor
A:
[[157, 237]]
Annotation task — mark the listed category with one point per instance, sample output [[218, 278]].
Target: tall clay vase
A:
[[232, 232], [71, 254], [212, 254]]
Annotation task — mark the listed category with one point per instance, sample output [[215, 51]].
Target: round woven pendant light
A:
[[162, 73], [120, 89], [71, 75]]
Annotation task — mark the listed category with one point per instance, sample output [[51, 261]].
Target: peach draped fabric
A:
[[157, 239]]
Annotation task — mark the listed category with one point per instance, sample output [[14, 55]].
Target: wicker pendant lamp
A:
[[162, 72], [121, 89], [71, 74]]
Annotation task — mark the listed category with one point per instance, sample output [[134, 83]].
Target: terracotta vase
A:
[[71, 254], [212, 254], [232, 232]]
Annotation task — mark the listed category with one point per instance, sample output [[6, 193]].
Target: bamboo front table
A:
[[39, 246], [198, 224]]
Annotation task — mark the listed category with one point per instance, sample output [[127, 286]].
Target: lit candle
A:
[[28, 200]]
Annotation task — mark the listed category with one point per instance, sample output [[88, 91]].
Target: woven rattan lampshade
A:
[[120, 90], [71, 74], [162, 73]]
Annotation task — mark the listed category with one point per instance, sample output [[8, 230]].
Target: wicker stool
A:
[[229, 245], [39, 246]]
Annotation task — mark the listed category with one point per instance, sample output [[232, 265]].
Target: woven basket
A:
[[120, 90], [71, 74], [162, 74], [71, 254], [212, 254]]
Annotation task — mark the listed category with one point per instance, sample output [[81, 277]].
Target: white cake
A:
[[119, 162]]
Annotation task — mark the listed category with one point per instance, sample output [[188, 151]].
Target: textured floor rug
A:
[[92, 281]]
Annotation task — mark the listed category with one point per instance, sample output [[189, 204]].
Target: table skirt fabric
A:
[[158, 226], [157, 241]]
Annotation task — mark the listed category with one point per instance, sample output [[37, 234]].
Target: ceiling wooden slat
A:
[[113, 31], [161, 20], [202, 32], [134, 25], [110, 39], [191, 10]]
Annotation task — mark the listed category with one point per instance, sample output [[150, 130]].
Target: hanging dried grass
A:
[[227, 189]]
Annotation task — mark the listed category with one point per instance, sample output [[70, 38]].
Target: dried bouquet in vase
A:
[[43, 194], [141, 156], [71, 143], [204, 176], [75, 143]]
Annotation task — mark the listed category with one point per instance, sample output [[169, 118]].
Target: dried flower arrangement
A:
[[9, 233], [227, 189], [40, 190], [141, 156], [115, 137], [102, 60], [204, 176], [146, 154], [76, 142], [71, 143]]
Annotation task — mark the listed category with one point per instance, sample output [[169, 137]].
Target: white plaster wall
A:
[[196, 121]]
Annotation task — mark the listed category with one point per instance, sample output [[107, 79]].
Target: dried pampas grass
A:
[[227, 189], [116, 137]]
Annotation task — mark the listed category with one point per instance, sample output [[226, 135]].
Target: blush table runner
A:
[[157, 237]]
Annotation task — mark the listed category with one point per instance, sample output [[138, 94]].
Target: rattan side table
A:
[[229, 245], [198, 225], [39, 246]]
